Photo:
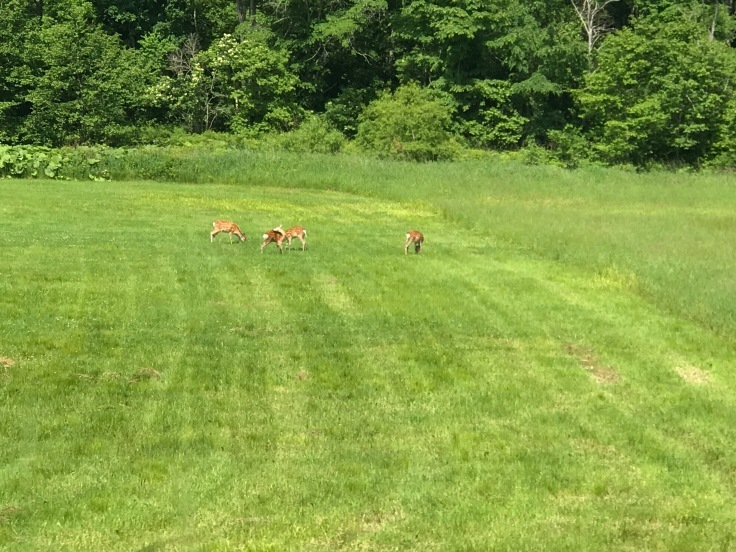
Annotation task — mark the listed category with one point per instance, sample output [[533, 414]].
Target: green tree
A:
[[236, 84], [510, 65], [340, 49], [206, 19], [661, 93], [16, 16], [80, 85], [130, 19]]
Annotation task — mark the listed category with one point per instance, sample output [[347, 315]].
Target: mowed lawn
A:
[[161, 392]]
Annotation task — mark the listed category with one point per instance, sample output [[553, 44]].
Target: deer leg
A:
[[213, 234], [406, 246], [267, 241]]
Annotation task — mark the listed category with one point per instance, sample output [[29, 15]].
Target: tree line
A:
[[633, 82]]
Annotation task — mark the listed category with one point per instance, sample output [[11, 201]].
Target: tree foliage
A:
[[412, 124], [637, 81], [78, 84], [234, 85], [662, 93]]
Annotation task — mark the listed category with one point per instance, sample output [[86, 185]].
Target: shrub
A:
[[412, 124], [315, 135], [568, 146], [30, 162]]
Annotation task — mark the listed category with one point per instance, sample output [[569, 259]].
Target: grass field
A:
[[554, 371]]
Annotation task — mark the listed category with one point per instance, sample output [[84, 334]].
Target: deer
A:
[[226, 226], [276, 235], [296, 232], [415, 237]]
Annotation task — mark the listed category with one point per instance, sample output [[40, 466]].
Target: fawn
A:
[[296, 232], [226, 226], [276, 235], [415, 237]]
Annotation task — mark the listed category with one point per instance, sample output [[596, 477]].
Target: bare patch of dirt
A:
[[142, 374], [6, 512], [146, 374], [589, 360], [377, 521], [110, 375], [6, 362], [302, 375], [693, 375]]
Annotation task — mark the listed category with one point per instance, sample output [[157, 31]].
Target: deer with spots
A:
[[226, 226], [413, 237], [275, 235], [296, 232]]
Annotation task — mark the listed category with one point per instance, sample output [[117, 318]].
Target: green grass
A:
[[554, 371], [666, 236]]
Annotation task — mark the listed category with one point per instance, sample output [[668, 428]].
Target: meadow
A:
[[554, 371]]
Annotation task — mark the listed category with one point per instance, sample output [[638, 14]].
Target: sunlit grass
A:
[[670, 234], [161, 392]]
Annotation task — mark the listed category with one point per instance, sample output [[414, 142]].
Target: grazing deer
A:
[[296, 232], [276, 236], [226, 226], [415, 237]]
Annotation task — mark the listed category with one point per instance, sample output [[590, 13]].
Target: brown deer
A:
[[226, 226], [415, 237], [296, 232], [276, 236]]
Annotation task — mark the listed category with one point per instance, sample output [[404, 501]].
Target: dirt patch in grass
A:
[[589, 360], [142, 374], [693, 375], [7, 512], [6, 362], [146, 374], [377, 521]]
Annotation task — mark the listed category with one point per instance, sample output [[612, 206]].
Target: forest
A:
[[640, 83]]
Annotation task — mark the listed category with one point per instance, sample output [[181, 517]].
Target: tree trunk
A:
[[240, 9], [712, 33]]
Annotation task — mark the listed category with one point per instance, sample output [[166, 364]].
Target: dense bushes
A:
[[314, 135], [412, 124]]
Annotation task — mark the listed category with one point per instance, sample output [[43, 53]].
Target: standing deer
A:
[[226, 226], [415, 237], [276, 235], [296, 232]]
